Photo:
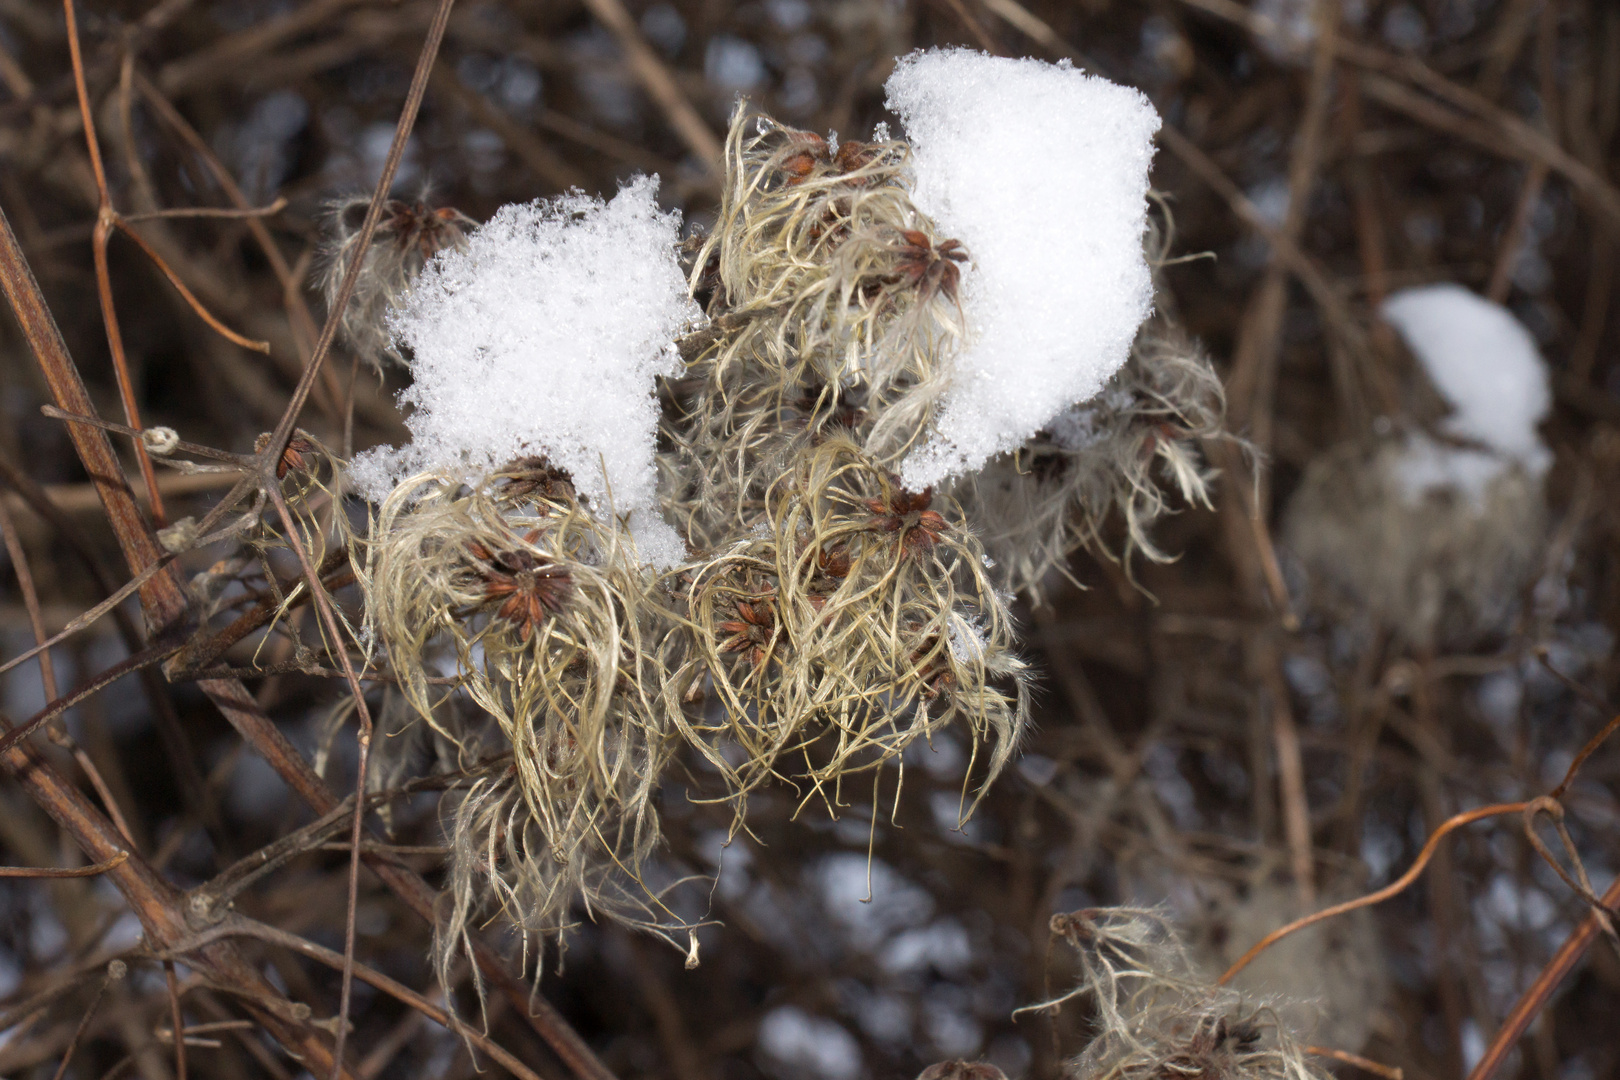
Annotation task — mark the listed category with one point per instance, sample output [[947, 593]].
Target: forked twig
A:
[[105, 217]]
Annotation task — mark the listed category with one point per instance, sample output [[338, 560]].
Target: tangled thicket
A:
[[826, 618]]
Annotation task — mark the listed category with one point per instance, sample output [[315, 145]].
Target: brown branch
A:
[[1389, 1072], [173, 985], [1494, 129], [1531, 1002], [105, 218], [145, 658], [186, 294], [276, 445], [249, 719], [176, 745], [163, 595], [82, 621], [202, 651], [323, 606], [209, 212], [1251, 387], [303, 323], [47, 672], [157, 904]]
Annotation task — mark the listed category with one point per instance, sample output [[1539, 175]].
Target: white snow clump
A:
[[544, 336], [1486, 365], [1041, 171]]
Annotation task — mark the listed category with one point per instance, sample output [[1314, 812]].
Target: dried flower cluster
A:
[[826, 617]]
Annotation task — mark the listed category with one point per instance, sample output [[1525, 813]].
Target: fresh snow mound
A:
[[1486, 365], [543, 337], [1041, 171]]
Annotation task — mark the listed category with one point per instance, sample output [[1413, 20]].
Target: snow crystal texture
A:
[[544, 337], [1486, 365], [1041, 171]]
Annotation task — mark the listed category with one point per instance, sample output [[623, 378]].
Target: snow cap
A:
[[544, 337], [1042, 172], [1486, 365]]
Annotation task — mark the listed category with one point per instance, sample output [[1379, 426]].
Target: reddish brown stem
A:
[[1530, 1004]]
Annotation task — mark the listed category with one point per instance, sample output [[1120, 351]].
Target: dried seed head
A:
[[1122, 452], [533, 478], [856, 617], [525, 588], [408, 234], [906, 515], [1436, 568], [541, 611], [1155, 1019], [930, 268], [300, 456]]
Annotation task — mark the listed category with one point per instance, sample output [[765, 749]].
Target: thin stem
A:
[[1394, 887], [178, 1021], [1389, 1072], [57, 706], [54, 872], [209, 212], [1529, 1006], [47, 672], [1586, 751], [88, 618], [396, 152], [242, 461], [323, 606], [115, 970], [277, 444], [402, 993], [186, 294], [105, 218]]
